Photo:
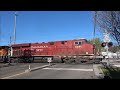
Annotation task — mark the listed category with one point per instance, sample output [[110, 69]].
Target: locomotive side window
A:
[[63, 42], [78, 43]]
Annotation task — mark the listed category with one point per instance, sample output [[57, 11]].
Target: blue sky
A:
[[44, 26]]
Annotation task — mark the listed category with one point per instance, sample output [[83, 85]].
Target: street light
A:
[[16, 14]]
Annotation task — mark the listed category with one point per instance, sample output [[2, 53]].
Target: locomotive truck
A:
[[67, 51]]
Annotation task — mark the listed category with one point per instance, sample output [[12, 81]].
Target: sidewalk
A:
[[98, 72]]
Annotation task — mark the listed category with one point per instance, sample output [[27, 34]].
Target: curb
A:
[[36, 68]]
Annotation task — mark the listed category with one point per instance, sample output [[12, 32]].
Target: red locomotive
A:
[[78, 50]]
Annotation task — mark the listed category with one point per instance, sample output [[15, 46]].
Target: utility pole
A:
[[15, 27], [94, 26], [0, 31], [9, 53], [10, 41], [94, 35]]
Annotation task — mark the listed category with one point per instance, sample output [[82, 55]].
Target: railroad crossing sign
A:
[[106, 37], [49, 60]]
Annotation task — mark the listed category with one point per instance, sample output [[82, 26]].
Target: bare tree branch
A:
[[109, 21]]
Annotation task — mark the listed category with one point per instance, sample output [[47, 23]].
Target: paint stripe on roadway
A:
[[13, 75], [69, 69]]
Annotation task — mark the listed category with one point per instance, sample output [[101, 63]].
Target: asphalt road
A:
[[60, 71], [17, 68]]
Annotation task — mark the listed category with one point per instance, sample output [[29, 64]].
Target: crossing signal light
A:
[[110, 44], [103, 44]]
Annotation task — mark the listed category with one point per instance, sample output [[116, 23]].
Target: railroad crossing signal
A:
[[103, 44], [109, 44]]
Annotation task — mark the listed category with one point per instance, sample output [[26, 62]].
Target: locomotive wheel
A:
[[69, 60], [62, 60], [66, 60], [28, 60], [20, 60], [25, 60], [32, 60], [78, 61]]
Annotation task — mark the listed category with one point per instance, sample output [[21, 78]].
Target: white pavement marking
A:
[[13, 75], [69, 69]]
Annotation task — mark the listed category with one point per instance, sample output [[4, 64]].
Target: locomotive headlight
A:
[[74, 56], [86, 52], [77, 46]]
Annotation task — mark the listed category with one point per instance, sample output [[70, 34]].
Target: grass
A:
[[114, 73]]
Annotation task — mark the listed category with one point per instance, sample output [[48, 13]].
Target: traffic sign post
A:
[[29, 66]]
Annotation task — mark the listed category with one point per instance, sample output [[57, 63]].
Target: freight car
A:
[[78, 51], [4, 53]]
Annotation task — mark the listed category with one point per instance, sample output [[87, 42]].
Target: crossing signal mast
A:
[[107, 43]]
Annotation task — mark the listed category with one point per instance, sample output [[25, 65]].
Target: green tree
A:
[[98, 42]]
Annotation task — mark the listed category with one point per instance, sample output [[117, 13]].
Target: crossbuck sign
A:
[[106, 37], [49, 60]]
